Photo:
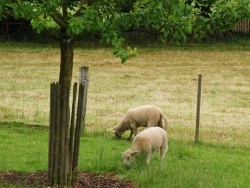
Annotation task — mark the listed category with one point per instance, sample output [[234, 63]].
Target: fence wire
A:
[[224, 118]]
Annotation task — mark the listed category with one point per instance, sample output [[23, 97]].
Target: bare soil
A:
[[85, 180]]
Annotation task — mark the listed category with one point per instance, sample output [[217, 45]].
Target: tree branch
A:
[[58, 18], [81, 7], [64, 10], [52, 33]]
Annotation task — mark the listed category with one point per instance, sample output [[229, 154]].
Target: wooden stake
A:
[[84, 80], [72, 131], [198, 109]]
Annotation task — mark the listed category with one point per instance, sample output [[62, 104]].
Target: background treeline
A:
[[166, 21]]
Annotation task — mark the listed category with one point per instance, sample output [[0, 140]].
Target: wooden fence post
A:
[[79, 120], [72, 133], [57, 135], [65, 132], [243, 26], [58, 164], [64, 166], [197, 130], [51, 157], [84, 80]]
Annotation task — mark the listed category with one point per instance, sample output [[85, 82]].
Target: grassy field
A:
[[162, 76], [186, 164]]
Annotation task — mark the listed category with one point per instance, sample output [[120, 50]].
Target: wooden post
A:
[[198, 109], [51, 159], [65, 133], [84, 80], [64, 166], [78, 127], [72, 132], [57, 135]]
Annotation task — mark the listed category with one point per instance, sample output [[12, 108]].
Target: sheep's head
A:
[[128, 157], [118, 131]]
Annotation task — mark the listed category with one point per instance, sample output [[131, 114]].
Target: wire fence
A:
[[224, 117], [224, 110]]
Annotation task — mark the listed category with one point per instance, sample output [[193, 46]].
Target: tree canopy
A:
[[169, 20]]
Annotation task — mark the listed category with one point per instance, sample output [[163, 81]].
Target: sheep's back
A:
[[142, 114], [153, 136]]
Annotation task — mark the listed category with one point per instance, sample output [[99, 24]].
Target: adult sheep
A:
[[147, 141], [146, 116]]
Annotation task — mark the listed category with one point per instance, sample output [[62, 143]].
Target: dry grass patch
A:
[[163, 77]]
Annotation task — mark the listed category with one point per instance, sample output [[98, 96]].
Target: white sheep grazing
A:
[[146, 116], [149, 140]]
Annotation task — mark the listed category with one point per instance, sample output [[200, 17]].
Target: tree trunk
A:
[[66, 67], [65, 77]]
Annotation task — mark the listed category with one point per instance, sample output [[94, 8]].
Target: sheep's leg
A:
[[135, 132], [131, 134], [162, 155], [149, 155], [133, 129], [163, 151]]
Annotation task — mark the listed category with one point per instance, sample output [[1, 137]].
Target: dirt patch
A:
[[85, 180]]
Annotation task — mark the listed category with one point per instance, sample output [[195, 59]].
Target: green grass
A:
[[186, 164], [23, 147]]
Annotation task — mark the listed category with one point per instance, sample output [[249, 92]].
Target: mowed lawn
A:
[[162, 76], [186, 164]]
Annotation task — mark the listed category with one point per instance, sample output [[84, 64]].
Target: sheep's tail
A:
[[165, 124]]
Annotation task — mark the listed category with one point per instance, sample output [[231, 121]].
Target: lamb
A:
[[149, 140], [146, 116]]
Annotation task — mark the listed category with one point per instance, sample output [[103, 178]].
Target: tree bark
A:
[[65, 77], [66, 67]]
